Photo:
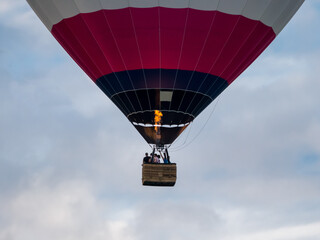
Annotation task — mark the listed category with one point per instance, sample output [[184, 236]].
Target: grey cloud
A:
[[172, 220], [71, 163]]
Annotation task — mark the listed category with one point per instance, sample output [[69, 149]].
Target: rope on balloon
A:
[[186, 138], [184, 145]]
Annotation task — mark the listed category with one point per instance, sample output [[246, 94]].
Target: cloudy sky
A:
[[70, 162]]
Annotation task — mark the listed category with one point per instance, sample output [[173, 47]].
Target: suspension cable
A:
[[180, 137], [197, 135]]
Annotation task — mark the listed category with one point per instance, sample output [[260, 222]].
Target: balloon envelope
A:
[[172, 56]]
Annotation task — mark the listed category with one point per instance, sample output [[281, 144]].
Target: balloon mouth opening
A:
[[159, 125], [165, 134]]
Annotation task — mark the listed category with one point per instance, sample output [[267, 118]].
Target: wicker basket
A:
[[159, 174]]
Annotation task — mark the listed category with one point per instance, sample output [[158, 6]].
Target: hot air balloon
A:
[[162, 62]]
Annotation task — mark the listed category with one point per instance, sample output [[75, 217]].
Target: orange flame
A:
[[157, 119]]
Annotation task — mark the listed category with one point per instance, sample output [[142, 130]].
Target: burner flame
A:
[[157, 120]]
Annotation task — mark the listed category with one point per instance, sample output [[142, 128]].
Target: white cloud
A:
[[24, 28], [10, 5], [66, 210], [309, 231], [15, 13]]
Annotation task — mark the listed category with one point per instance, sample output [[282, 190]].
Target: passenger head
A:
[[146, 154]]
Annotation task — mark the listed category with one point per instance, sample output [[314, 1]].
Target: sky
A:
[[70, 162]]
